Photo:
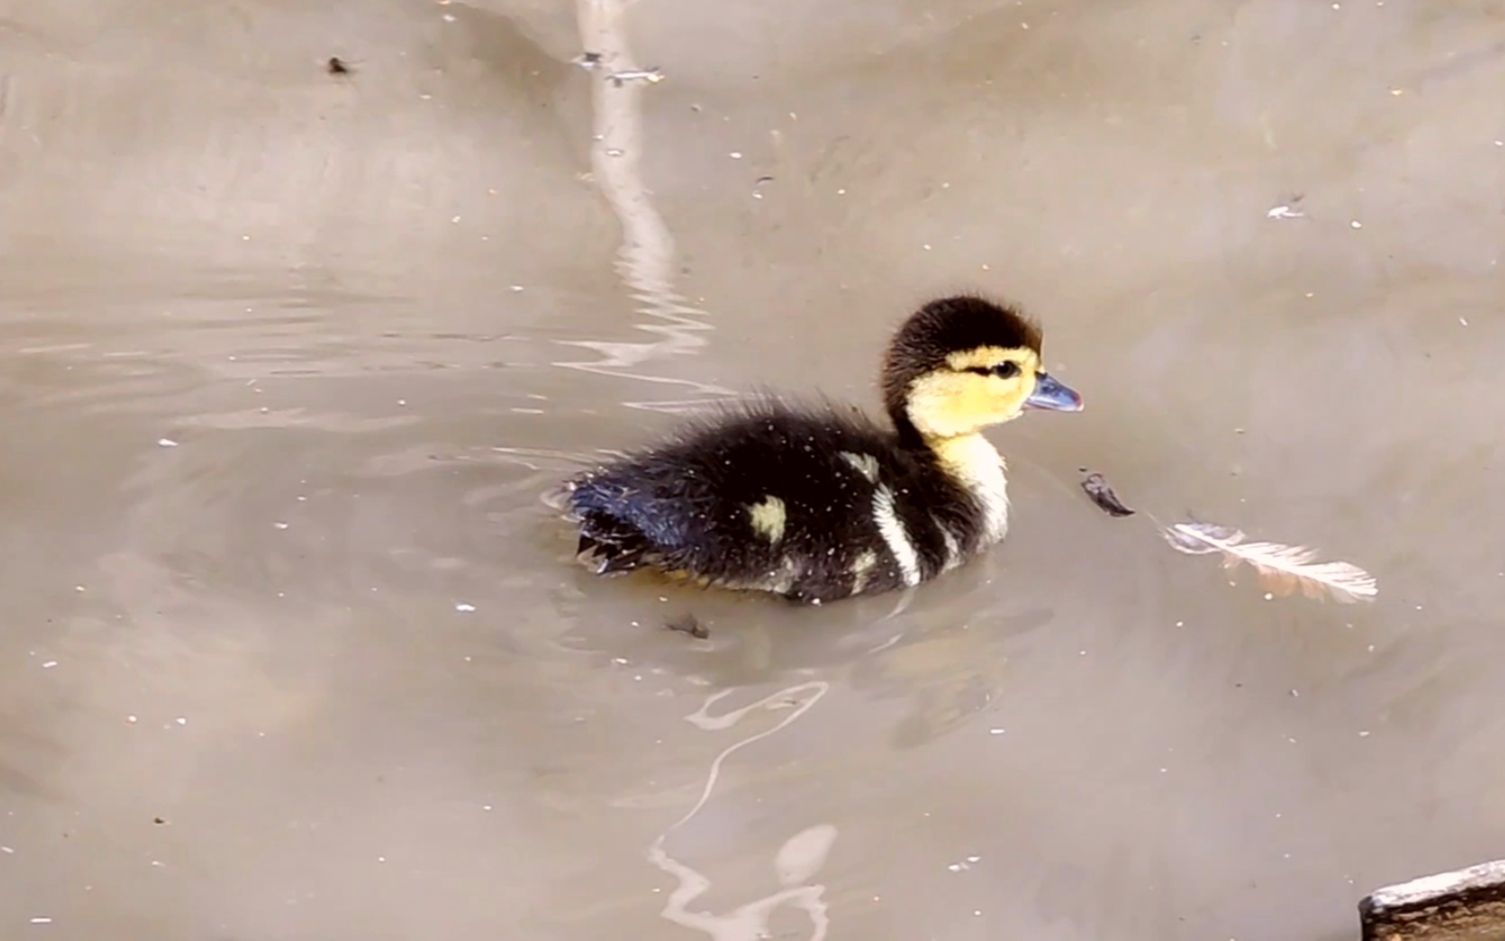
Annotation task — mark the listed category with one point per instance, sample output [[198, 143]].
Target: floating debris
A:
[[1282, 569], [337, 66], [587, 60], [166, 443], [652, 76], [464, 608], [689, 624], [1101, 492], [1284, 211]]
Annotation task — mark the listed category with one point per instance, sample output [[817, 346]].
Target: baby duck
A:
[[817, 504]]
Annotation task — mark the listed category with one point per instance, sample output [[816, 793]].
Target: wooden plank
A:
[[1451, 906]]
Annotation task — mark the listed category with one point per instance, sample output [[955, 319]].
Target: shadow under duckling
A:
[[817, 503]]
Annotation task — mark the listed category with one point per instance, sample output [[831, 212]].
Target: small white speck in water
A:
[[1463, 320], [1364, 734], [279, 525], [517, 288], [181, 720], [996, 731], [40, 920], [735, 155], [131, 719], [166, 443], [464, 608], [49, 664], [1355, 224]]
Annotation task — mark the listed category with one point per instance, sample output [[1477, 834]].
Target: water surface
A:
[[293, 645]]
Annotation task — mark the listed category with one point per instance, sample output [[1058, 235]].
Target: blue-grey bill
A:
[[1056, 396]]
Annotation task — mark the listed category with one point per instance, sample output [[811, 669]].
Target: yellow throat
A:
[[973, 462]]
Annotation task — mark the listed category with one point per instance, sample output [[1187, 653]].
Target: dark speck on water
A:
[[337, 66], [689, 624], [1101, 492]]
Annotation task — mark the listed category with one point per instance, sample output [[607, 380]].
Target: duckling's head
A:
[[960, 364]]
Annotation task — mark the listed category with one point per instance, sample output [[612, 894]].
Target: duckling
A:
[[817, 503]]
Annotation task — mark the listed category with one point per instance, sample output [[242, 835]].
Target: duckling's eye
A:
[[1005, 370]]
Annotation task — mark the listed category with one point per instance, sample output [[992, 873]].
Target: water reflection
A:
[[796, 862], [645, 260]]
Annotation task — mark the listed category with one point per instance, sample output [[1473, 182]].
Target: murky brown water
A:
[[293, 647]]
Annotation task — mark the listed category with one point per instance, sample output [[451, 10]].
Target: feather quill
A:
[[1282, 569]]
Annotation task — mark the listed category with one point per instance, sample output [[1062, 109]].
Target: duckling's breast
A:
[[975, 465]]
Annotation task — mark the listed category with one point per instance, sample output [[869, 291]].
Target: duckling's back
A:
[[813, 505]]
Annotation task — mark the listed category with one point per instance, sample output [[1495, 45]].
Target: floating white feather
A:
[[1282, 569]]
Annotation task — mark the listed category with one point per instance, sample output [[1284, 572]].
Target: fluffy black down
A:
[[684, 506]]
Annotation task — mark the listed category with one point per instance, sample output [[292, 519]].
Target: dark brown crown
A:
[[937, 330]]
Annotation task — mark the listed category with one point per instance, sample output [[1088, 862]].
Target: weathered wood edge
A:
[[1466, 903]]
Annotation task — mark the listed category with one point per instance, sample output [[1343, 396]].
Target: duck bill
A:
[[1053, 395]]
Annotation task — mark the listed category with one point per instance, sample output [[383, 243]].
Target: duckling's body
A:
[[818, 504]]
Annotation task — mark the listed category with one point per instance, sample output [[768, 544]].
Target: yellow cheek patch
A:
[[986, 357], [946, 402]]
